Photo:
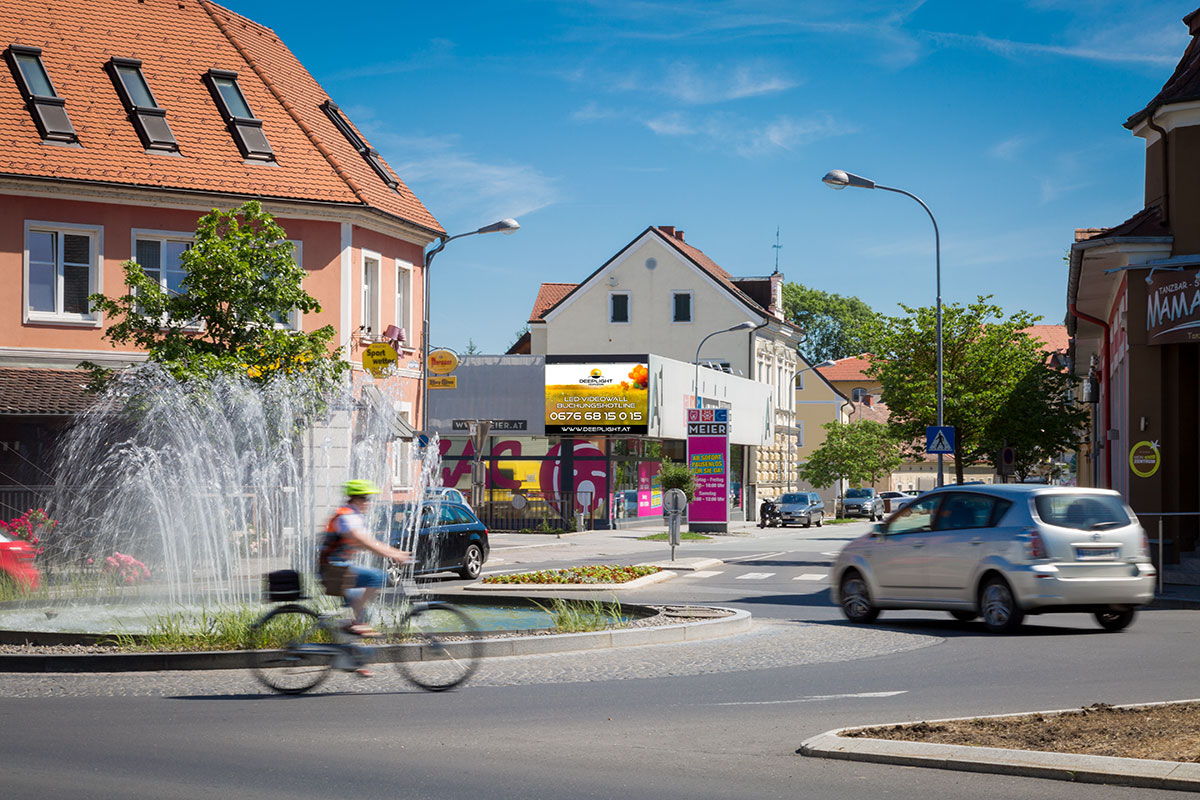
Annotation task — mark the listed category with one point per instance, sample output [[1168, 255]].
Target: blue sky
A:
[[589, 121]]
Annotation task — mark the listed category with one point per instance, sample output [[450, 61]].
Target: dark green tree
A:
[[677, 476], [856, 452], [997, 384], [240, 281], [833, 325]]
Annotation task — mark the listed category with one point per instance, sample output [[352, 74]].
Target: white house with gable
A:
[[661, 295]]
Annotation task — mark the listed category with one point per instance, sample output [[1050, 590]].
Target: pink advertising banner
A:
[[649, 490], [708, 459]]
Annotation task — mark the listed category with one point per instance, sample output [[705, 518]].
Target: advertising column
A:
[[708, 459]]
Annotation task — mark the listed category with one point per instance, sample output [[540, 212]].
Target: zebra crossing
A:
[[754, 576]]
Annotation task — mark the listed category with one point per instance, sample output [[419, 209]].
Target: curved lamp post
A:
[[505, 226], [799, 372], [741, 326], [840, 179]]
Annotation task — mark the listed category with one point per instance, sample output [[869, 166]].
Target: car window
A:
[[814, 498], [463, 516], [858, 493], [792, 498], [962, 510], [1085, 512], [914, 517]]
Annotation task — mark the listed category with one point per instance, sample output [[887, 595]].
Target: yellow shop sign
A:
[[442, 362]]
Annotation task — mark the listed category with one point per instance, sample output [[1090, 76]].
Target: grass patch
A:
[[577, 617], [843, 520], [602, 573], [683, 536]]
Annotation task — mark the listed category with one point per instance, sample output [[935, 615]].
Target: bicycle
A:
[[293, 647]]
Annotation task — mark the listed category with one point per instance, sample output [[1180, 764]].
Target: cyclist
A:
[[345, 534]]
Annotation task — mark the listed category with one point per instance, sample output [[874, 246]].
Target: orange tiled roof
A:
[[1053, 337], [549, 295], [847, 369], [178, 41], [674, 237]]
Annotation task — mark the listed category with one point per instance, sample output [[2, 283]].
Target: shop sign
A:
[[443, 381], [708, 459], [1173, 306], [597, 398], [443, 361], [497, 425], [379, 358], [1144, 459]]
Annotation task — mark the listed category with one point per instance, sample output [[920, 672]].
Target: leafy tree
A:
[[472, 348], [240, 280], [677, 476], [856, 452], [833, 325], [997, 385]]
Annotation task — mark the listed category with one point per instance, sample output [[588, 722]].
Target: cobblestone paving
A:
[[768, 644]]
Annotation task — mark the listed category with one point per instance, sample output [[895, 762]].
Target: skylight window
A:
[[245, 128], [148, 119], [49, 111], [366, 151]]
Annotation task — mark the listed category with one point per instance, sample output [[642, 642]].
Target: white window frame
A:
[[96, 283], [161, 237], [371, 300], [294, 316], [628, 308], [404, 311], [691, 308], [402, 450]]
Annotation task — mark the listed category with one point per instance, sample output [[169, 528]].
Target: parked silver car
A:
[[801, 507], [864, 502], [1002, 552]]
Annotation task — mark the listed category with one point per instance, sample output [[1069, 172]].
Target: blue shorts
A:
[[367, 577]]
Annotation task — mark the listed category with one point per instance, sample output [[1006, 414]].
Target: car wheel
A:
[[964, 616], [1115, 620], [998, 606], [808, 521], [473, 563], [820, 518], [856, 599]]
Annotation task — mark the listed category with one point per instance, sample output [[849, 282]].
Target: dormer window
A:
[[148, 119], [49, 111], [245, 128], [366, 151]]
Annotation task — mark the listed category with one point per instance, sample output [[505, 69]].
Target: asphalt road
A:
[[719, 719]]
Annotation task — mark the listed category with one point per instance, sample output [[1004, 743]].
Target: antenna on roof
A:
[[777, 247]]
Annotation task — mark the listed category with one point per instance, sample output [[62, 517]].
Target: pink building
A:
[[121, 123]]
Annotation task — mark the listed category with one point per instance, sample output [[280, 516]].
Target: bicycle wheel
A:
[[435, 646], [288, 650]]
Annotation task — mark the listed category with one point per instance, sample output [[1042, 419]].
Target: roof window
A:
[[148, 119], [49, 111], [366, 151], [245, 128]]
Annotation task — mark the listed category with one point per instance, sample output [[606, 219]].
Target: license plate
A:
[[1095, 553]]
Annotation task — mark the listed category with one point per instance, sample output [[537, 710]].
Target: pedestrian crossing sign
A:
[[939, 439]]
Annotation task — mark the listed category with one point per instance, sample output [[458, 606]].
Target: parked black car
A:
[[450, 538]]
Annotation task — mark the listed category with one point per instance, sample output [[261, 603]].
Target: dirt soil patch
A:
[[1164, 732]]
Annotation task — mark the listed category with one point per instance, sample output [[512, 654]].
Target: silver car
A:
[[801, 507], [865, 502], [1002, 552]]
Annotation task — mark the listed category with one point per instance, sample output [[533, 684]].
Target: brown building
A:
[[1133, 296]]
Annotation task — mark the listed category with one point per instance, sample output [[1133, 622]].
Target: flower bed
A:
[[601, 573]]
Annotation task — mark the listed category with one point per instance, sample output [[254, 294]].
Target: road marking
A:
[[812, 576], [753, 557], [811, 699], [754, 576], [704, 573]]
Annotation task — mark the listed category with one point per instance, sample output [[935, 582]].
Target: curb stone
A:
[[1079, 768], [737, 622]]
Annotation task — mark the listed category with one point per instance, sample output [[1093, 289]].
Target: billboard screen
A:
[[596, 398]]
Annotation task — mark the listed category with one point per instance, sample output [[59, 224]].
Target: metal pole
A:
[[1161, 563], [937, 245]]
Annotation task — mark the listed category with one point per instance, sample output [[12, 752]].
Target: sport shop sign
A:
[[1173, 307], [708, 459]]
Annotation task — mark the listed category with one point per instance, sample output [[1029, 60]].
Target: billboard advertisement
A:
[[596, 398]]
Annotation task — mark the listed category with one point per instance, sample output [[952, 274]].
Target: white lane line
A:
[[812, 576], [811, 699], [703, 573], [753, 557], [754, 576]]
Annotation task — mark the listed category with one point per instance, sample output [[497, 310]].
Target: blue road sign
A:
[[939, 440]]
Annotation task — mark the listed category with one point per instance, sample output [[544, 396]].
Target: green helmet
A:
[[360, 487]]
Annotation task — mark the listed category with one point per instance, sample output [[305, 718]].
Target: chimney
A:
[[679, 235], [1192, 20], [867, 400], [669, 230]]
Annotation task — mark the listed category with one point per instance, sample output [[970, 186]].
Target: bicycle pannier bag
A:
[[283, 584]]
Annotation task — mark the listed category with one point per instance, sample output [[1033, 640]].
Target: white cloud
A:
[[461, 184], [746, 137], [1008, 149]]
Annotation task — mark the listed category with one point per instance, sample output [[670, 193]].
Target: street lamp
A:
[[793, 451], [505, 226], [741, 326], [840, 179]]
